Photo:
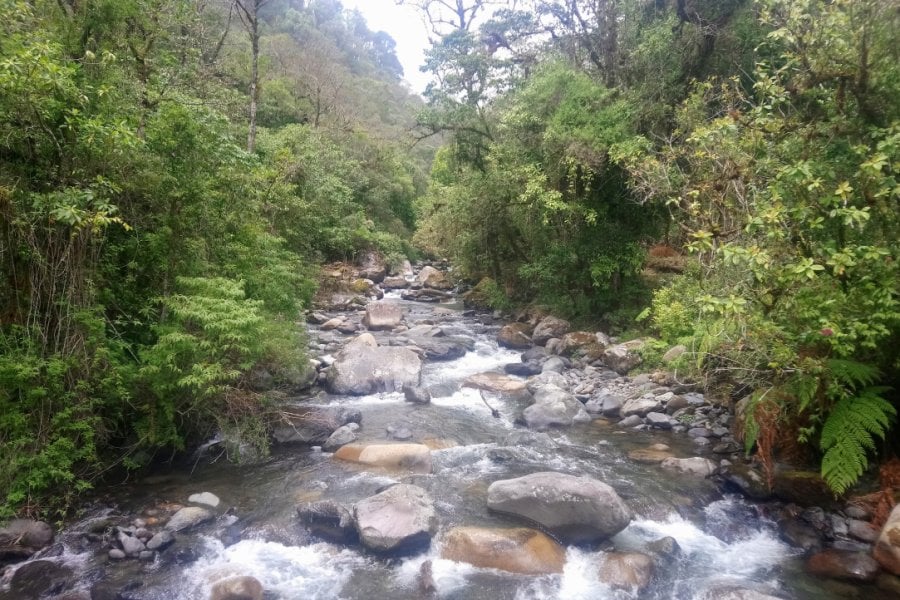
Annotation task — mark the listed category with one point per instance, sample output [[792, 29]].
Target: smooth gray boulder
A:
[[641, 406], [574, 509], [329, 520], [205, 498], [363, 367], [399, 520], [699, 466], [430, 277], [554, 407], [342, 435], [622, 358]]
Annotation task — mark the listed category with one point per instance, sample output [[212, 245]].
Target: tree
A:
[[248, 11]]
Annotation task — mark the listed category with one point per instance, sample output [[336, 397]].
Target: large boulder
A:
[[442, 347], [39, 579], [515, 335], [239, 587], [625, 570], [21, 538], [404, 457], [373, 266], [554, 407], [399, 520], [431, 278], [382, 315], [622, 358], [518, 550], [887, 548], [549, 327], [495, 382], [583, 343], [363, 367], [312, 424], [574, 509]]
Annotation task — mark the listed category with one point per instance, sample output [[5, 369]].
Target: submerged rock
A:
[[40, 578], [399, 520], [329, 520], [575, 509], [239, 587], [312, 424], [187, 517], [837, 564], [625, 570], [205, 498], [701, 467]]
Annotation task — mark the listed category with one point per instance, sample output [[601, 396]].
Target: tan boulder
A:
[[495, 382], [517, 550], [515, 335], [405, 457], [887, 548]]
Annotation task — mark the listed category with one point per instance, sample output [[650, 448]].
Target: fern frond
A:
[[849, 432], [852, 374]]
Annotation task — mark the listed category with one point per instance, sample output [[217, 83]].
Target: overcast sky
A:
[[404, 24]]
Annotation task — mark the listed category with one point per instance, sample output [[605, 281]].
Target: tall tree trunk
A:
[[254, 85]]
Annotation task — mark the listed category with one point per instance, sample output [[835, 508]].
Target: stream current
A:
[[726, 542]]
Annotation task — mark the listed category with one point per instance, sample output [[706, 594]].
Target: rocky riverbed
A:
[[444, 452]]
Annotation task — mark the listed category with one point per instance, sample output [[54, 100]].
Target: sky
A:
[[404, 24]]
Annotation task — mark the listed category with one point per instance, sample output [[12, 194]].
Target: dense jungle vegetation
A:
[[720, 174]]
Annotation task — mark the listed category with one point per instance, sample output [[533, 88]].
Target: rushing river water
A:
[[725, 541]]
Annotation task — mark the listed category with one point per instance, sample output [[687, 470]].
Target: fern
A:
[[849, 431]]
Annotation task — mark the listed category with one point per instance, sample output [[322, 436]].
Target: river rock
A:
[[342, 435], [312, 424], [495, 382], [131, 545], [580, 342], [407, 457], [515, 336], [660, 420], [399, 520], [523, 369], [205, 498], [549, 327], [443, 348], [21, 538], [554, 364], [664, 550], [554, 407], [621, 358], [748, 480], [625, 570], [161, 540], [188, 517], [329, 520], [641, 406], [574, 509], [862, 530], [518, 550], [887, 548], [239, 587], [631, 421], [430, 277], [731, 592], [363, 367], [837, 564], [382, 315], [395, 283], [701, 467], [416, 395], [40, 578]]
